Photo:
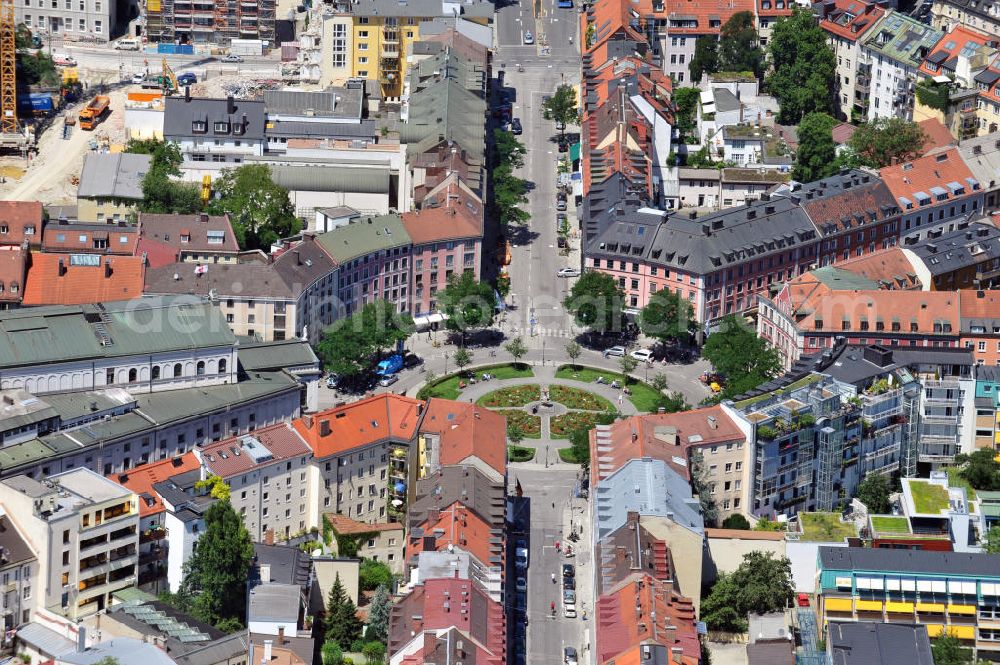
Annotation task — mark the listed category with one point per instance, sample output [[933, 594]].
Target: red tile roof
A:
[[937, 170], [13, 264], [344, 525], [775, 7], [173, 229], [843, 132], [936, 135], [157, 254], [644, 610], [467, 431], [142, 478], [112, 278], [850, 19], [460, 217], [235, 455], [950, 45], [890, 267], [438, 648], [710, 15], [82, 237], [458, 526], [359, 424], [666, 437], [18, 216]]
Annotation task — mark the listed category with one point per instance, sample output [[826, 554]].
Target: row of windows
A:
[[158, 371]]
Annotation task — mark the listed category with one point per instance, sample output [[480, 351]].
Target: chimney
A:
[[713, 423], [281, 636], [298, 259], [203, 217], [7, 399], [107, 268], [267, 643], [231, 109], [62, 267], [324, 427], [93, 406]]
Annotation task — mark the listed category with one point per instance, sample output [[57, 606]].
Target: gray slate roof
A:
[[953, 564], [422, 8], [300, 129], [15, 548], [113, 175], [257, 356], [446, 109], [871, 643], [959, 249], [272, 601], [179, 113], [342, 103], [648, 487]]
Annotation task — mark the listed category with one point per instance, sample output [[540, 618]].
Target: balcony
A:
[[100, 589], [150, 535], [389, 52]]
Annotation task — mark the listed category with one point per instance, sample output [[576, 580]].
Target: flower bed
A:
[[530, 426], [519, 453], [562, 426], [575, 398], [511, 396]]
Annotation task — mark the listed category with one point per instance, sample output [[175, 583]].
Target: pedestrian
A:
[[621, 398], [558, 549]]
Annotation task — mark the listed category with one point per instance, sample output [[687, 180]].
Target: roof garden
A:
[[801, 383], [825, 528], [928, 498], [888, 524]]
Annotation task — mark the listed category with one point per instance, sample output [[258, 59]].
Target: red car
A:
[[803, 599]]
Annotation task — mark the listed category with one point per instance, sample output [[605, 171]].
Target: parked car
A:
[[568, 570], [569, 656], [569, 597], [63, 60], [390, 365], [521, 584], [642, 355], [614, 352], [521, 557], [521, 602], [569, 272], [412, 360], [569, 583], [528, 37], [187, 78], [232, 57], [515, 126], [138, 78], [388, 380], [331, 381]]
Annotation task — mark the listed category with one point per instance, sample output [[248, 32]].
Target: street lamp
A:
[[446, 363]]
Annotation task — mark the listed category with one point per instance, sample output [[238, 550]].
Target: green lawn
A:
[[447, 387], [801, 383], [519, 453], [645, 398], [566, 455], [883, 524], [825, 528], [956, 480], [928, 499]]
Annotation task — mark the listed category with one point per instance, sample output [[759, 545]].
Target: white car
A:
[[521, 557], [232, 57], [643, 355], [569, 272], [614, 351], [388, 380], [138, 78], [528, 37]]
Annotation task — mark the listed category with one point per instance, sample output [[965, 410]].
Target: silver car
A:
[[614, 351], [528, 37]]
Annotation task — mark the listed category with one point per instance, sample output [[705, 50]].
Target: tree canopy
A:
[[667, 317], [736, 521], [258, 208], [509, 191], [739, 45], [874, 492], [686, 105], [349, 345], [216, 573], [705, 59], [373, 574], [745, 359], [596, 302], [161, 192], [948, 650], [887, 141], [980, 469], [561, 107], [378, 615], [468, 303], [992, 540], [816, 154], [803, 73], [761, 584], [342, 623]]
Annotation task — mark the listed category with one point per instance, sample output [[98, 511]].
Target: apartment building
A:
[[72, 19], [890, 57], [21, 222], [949, 14], [110, 186], [184, 519], [209, 21], [197, 239], [153, 543], [267, 472], [86, 528], [381, 541], [945, 519], [213, 134], [84, 238], [18, 575], [950, 593], [81, 279], [846, 24]]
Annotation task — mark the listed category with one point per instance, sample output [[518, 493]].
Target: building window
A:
[[200, 368], [178, 370], [222, 366]]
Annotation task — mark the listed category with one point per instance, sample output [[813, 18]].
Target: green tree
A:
[[660, 383], [462, 358], [668, 317], [108, 660], [509, 191], [596, 301], [705, 59], [579, 444], [762, 583], [349, 345], [161, 192], [514, 434], [509, 149], [980, 469], [516, 349], [258, 208], [331, 653], [673, 403], [342, 623], [378, 615], [992, 540], [374, 652], [468, 303], [627, 365], [765, 524], [874, 492], [803, 67], [887, 141], [739, 45], [816, 154], [374, 574], [573, 351], [948, 650], [736, 521], [214, 486], [701, 488], [561, 108], [745, 359], [216, 573], [686, 105]]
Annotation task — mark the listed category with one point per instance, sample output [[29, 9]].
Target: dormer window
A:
[[185, 238], [29, 230], [199, 126], [14, 287], [221, 127], [239, 129]]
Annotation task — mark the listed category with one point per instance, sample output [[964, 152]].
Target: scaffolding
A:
[[8, 69]]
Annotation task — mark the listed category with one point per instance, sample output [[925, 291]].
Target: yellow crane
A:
[[8, 69]]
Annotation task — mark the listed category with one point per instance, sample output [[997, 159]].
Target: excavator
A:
[[168, 79]]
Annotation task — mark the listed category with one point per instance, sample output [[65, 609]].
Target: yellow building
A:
[[111, 186], [373, 41]]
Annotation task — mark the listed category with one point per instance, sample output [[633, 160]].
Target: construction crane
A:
[[168, 75], [8, 69]]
